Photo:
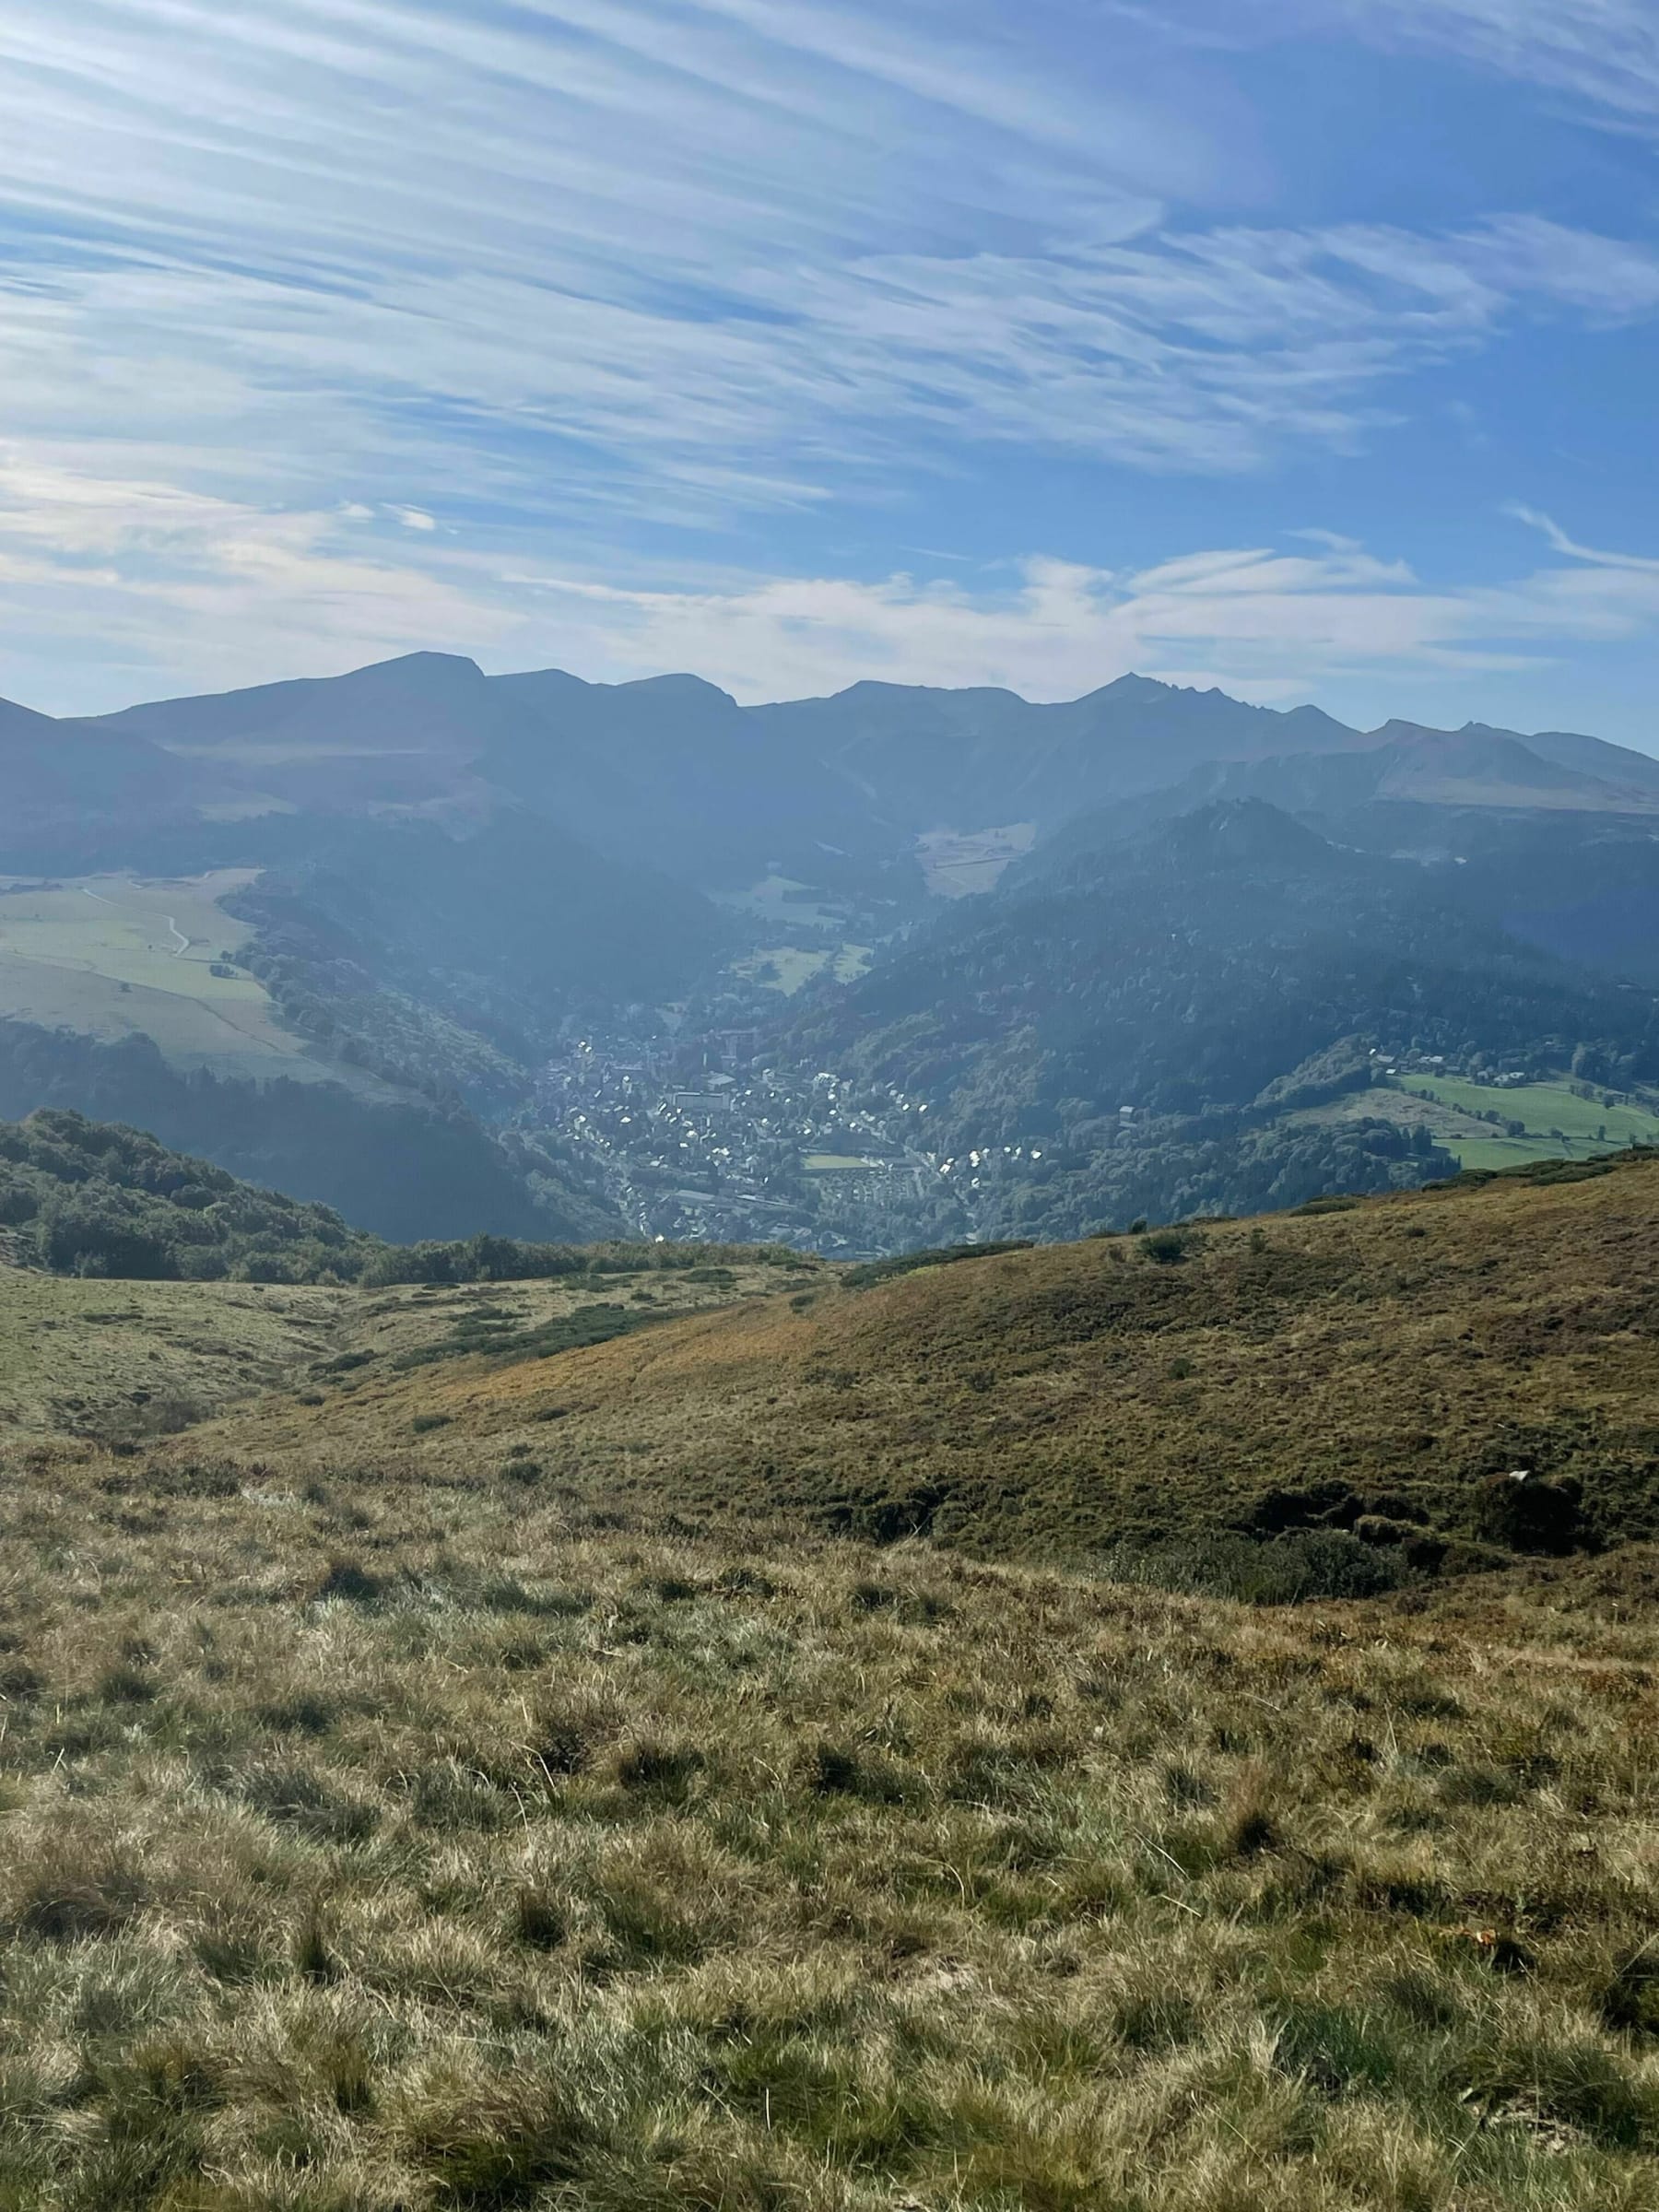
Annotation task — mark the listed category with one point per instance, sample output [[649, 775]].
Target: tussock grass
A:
[[1323, 1404], [412, 1845]]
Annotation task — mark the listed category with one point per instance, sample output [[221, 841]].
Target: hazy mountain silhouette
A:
[[671, 770]]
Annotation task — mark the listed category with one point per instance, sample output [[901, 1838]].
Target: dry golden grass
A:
[[413, 1844], [136, 1359], [464, 1781], [1063, 1400], [109, 1360]]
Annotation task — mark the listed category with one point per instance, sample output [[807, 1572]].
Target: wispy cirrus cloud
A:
[[1604, 52], [325, 322], [1165, 350], [678, 258], [236, 594], [117, 582]]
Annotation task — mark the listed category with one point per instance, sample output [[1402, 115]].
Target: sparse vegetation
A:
[[521, 1768], [1356, 1377], [423, 1846]]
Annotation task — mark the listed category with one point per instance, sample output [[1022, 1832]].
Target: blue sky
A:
[[1304, 346]]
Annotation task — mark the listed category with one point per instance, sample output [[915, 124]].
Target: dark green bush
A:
[[1301, 1567]]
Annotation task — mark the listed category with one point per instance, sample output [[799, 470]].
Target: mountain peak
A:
[[1247, 830], [677, 685], [1124, 687]]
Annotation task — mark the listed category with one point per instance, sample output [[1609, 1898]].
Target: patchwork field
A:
[[956, 863], [1451, 1110], [1559, 1124], [113, 956]]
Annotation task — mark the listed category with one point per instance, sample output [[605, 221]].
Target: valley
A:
[[838, 1390], [634, 957]]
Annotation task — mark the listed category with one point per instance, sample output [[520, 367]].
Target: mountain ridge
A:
[[676, 770]]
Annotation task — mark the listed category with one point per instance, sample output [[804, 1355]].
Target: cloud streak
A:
[[1264, 623], [237, 593], [321, 322], [1602, 54], [675, 260]]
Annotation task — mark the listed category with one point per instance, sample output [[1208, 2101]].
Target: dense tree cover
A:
[[97, 1198], [1196, 976], [85, 1197], [402, 1171], [507, 930], [1174, 1170]]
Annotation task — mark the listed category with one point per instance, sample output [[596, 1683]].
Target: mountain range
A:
[[410, 890], [672, 772]]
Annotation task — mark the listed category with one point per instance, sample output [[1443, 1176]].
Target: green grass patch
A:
[[1556, 1121]]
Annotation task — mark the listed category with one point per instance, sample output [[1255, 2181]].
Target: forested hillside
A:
[[1130, 1021], [81, 1197], [403, 1170]]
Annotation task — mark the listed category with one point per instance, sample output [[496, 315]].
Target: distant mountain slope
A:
[[1188, 968], [1412, 786], [400, 733], [1616, 764], [673, 771], [981, 757], [405, 1172], [420, 702], [1180, 976], [58, 781], [517, 924]]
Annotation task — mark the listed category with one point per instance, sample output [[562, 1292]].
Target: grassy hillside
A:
[[128, 1361], [388, 1842], [493, 1770], [114, 956], [1367, 1368], [122, 1363]]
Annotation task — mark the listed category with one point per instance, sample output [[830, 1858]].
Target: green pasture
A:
[[1585, 1127], [787, 968], [956, 863], [113, 957]]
